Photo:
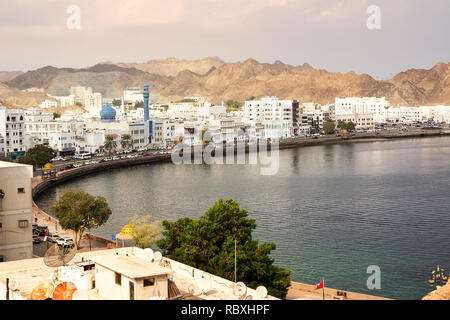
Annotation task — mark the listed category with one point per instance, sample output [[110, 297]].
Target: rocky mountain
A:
[[9, 75], [108, 79], [14, 98], [241, 80], [172, 66]]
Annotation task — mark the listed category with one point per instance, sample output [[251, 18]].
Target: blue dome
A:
[[108, 113]]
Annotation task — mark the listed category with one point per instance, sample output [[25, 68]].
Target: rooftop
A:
[[131, 262], [5, 164], [131, 266]]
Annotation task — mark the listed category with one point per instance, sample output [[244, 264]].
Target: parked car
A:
[[65, 241], [36, 239], [42, 230], [53, 237]]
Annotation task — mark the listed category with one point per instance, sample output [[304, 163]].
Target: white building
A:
[[182, 111], [281, 112], [441, 114], [48, 104], [65, 101], [80, 93], [313, 119], [93, 102], [361, 121], [277, 129], [13, 130], [40, 128], [15, 211], [133, 95], [377, 107], [2, 146]]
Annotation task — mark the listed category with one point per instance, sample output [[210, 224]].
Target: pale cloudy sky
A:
[[328, 34]]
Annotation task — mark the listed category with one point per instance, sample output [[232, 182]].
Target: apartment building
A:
[[284, 115], [2, 147], [48, 104], [377, 107], [15, 212], [13, 130]]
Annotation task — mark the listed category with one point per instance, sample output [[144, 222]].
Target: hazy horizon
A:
[[327, 34]]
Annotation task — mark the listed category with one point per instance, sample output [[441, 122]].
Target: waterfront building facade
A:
[[377, 107]]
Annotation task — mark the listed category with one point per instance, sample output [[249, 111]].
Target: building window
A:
[[149, 282], [23, 224], [118, 278], [20, 190]]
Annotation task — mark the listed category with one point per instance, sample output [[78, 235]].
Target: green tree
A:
[[350, 126], [38, 156], [145, 231], [126, 141], [209, 244], [233, 104], [78, 211], [79, 104], [139, 104], [110, 144], [116, 102], [56, 115], [328, 127], [187, 100]]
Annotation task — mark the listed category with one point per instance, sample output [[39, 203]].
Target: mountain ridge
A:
[[218, 80]]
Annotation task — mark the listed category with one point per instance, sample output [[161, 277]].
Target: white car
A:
[[65, 241]]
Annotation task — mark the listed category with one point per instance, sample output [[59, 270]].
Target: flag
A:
[[320, 285]]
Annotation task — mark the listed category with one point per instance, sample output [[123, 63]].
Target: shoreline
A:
[[297, 290], [70, 174]]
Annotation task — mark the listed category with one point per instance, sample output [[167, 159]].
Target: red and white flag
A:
[[320, 285]]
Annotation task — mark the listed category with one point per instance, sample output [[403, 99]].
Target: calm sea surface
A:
[[332, 210]]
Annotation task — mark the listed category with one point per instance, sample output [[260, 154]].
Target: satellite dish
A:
[[261, 292], [80, 295], [239, 289], [57, 256], [64, 291], [157, 256], [149, 254], [53, 278], [15, 284], [249, 297], [193, 290], [205, 285], [42, 291]]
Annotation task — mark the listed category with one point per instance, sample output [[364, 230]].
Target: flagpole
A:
[[323, 289]]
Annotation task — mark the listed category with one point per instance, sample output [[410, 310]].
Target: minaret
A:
[[146, 96]]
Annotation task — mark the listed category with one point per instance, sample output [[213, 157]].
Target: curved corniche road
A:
[[41, 185]]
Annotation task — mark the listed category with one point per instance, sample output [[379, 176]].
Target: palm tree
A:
[[110, 144], [126, 141]]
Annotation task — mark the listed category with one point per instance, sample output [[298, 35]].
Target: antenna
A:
[[64, 291], [43, 291], [239, 289], [149, 254], [205, 285], [57, 256], [193, 290], [157, 256], [235, 261], [261, 292]]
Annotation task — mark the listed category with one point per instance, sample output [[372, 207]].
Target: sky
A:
[[328, 34]]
